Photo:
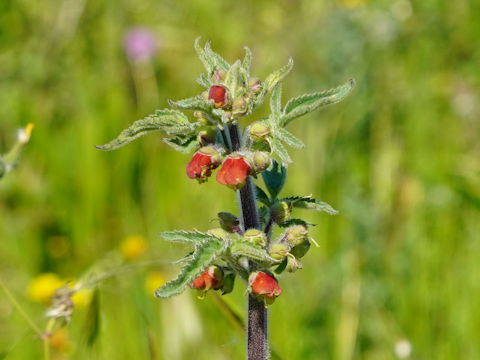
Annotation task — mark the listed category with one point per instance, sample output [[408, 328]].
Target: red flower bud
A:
[[234, 171], [264, 286], [219, 95], [210, 279], [203, 162]]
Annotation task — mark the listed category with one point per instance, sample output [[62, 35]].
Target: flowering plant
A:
[[243, 247]]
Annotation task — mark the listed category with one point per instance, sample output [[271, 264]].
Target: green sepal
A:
[[270, 82], [173, 122], [307, 202], [188, 237], [193, 103], [274, 178], [252, 252], [206, 252], [288, 138], [304, 104], [280, 268]]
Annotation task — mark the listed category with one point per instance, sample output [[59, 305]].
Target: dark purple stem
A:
[[257, 329]]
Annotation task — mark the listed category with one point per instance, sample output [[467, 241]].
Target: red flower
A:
[[234, 171], [210, 279], [203, 162], [264, 286], [219, 95]]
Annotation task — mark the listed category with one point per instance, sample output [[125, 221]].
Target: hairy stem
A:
[[257, 328]]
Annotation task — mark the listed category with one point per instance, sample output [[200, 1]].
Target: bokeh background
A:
[[397, 272]]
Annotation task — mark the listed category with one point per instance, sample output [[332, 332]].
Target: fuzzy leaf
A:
[[182, 145], [171, 121], [276, 103], [193, 103], [188, 237], [274, 179], [280, 150], [307, 202], [215, 58], [270, 82], [252, 252], [232, 79], [304, 104], [204, 81], [206, 252], [247, 60], [206, 61], [289, 138]]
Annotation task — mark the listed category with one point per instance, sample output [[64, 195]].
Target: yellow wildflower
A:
[[153, 281], [43, 286], [133, 246]]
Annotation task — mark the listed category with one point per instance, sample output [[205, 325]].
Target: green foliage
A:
[[206, 252], [188, 237], [172, 122], [274, 179], [252, 252], [307, 202]]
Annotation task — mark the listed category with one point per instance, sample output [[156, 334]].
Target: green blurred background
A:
[[397, 272]]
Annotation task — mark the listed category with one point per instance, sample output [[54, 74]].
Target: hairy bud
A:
[[256, 237], [259, 131], [280, 211]]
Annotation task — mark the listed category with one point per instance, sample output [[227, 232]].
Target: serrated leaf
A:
[[204, 81], [262, 196], [215, 58], [185, 146], [232, 79], [193, 103], [171, 121], [289, 138], [252, 252], [307, 202], [295, 221], [247, 60], [304, 104], [188, 237], [270, 82], [207, 62], [274, 179], [280, 150], [206, 252], [276, 103]]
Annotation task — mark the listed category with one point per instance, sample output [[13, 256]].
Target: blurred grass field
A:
[[397, 269]]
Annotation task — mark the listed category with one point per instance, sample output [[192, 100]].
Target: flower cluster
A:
[[219, 143]]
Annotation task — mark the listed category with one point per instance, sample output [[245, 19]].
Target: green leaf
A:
[[307, 202], [232, 80], [280, 150], [295, 221], [206, 252], [274, 179], [170, 121], [204, 81], [193, 103], [215, 58], [247, 60], [206, 61], [188, 237], [252, 252], [276, 103], [304, 104], [289, 138], [270, 82], [261, 196], [182, 145]]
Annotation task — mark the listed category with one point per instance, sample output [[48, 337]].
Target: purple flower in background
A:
[[140, 44]]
